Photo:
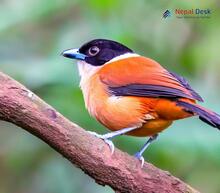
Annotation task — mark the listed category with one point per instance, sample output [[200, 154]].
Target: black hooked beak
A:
[[73, 54]]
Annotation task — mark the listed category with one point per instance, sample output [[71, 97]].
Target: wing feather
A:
[[144, 77]]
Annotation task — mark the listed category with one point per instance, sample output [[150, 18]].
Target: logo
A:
[[188, 13], [193, 13], [166, 14]]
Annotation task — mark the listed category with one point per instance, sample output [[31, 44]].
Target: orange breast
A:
[[113, 112]]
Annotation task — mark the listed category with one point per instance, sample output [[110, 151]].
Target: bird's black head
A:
[[97, 52]]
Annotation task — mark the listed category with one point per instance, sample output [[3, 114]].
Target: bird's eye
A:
[[93, 50]]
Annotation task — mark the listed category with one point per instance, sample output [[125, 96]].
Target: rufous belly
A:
[[151, 127]]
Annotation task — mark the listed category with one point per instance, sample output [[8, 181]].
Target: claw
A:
[[138, 155], [140, 158], [110, 144], [105, 139]]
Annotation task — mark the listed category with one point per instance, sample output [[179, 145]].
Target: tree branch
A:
[[122, 172]]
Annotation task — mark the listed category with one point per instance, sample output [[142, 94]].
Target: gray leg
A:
[[138, 155], [106, 137]]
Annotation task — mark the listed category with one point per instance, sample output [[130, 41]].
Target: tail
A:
[[205, 115]]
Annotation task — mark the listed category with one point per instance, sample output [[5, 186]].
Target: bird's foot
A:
[[140, 158], [106, 139]]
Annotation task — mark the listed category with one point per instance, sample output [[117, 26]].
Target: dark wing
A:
[[147, 90], [185, 83]]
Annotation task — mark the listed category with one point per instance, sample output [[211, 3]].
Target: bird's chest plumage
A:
[[112, 111], [94, 95]]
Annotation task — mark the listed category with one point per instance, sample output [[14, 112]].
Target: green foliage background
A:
[[32, 36]]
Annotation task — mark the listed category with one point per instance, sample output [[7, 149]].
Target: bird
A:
[[133, 95]]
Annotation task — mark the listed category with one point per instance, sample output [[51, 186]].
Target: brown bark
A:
[[121, 171]]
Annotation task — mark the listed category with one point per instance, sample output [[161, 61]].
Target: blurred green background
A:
[[32, 36]]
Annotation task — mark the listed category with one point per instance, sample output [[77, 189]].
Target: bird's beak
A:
[[73, 54]]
